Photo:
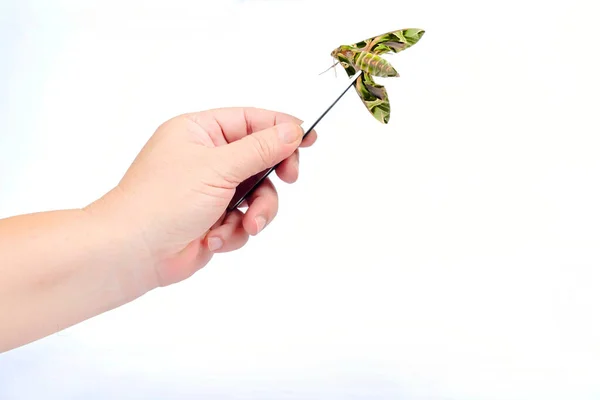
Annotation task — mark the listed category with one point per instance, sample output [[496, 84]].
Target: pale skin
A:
[[159, 225]]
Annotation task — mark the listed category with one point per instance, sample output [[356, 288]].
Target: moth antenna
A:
[[333, 66]]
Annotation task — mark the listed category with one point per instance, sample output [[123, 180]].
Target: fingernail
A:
[[260, 223], [214, 243], [289, 133]]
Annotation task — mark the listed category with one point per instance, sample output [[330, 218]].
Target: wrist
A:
[[129, 254]]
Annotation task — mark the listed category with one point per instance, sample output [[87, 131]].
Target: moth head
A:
[[342, 52]]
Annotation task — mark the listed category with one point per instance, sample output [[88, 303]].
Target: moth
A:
[[366, 57]]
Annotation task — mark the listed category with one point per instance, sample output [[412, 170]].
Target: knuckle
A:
[[263, 148]]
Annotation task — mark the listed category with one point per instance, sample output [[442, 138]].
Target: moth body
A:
[[374, 65]]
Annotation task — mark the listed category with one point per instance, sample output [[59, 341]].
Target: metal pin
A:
[[245, 188]]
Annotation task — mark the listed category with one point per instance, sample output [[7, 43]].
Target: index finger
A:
[[236, 122]]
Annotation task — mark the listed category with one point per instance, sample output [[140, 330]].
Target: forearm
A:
[[61, 267]]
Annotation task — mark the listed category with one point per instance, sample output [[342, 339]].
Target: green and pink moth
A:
[[366, 57]]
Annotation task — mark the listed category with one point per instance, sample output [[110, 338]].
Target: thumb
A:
[[260, 150]]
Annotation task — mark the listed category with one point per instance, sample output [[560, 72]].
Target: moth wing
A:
[[374, 97], [391, 42]]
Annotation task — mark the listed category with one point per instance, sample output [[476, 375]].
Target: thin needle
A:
[[248, 186]]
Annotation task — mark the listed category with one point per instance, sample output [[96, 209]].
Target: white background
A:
[[452, 254]]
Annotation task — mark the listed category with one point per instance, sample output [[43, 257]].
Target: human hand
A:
[[174, 195]]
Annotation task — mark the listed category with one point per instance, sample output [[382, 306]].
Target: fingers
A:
[[239, 122], [237, 227], [288, 170], [263, 206], [226, 125], [229, 236], [254, 153], [310, 139]]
